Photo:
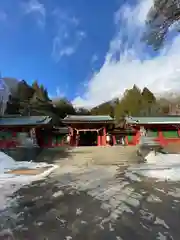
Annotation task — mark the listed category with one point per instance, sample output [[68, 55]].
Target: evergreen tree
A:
[[149, 106], [13, 106], [64, 107], [148, 96], [130, 104], [24, 91]]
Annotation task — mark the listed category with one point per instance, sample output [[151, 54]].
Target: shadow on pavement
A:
[[36, 154], [52, 155], [46, 211]]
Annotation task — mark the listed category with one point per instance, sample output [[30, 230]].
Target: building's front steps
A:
[[116, 155]]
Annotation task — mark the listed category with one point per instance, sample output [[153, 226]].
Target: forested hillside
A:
[[135, 103], [34, 100]]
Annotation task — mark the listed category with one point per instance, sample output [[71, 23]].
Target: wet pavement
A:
[[49, 210], [94, 202]]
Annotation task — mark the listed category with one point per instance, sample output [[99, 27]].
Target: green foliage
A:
[[13, 106], [134, 103], [64, 107], [148, 96], [24, 91], [40, 91], [106, 108], [31, 100], [35, 86], [130, 104], [34, 100]]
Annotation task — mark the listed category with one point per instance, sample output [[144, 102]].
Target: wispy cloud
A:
[[37, 9], [68, 35], [128, 60], [59, 93], [94, 58], [60, 50], [81, 35], [3, 16]]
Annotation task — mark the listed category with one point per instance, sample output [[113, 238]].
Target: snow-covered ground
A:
[[128, 201], [159, 166], [10, 183]]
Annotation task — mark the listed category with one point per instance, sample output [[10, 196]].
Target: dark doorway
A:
[[87, 138]]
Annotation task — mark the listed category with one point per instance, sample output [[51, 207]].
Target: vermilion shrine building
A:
[[39, 128], [163, 129], [89, 130]]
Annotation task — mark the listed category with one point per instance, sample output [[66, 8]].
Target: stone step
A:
[[117, 155]]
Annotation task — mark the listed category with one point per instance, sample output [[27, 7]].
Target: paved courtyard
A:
[[87, 197]]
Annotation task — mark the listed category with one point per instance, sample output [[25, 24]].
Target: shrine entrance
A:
[[88, 130], [87, 138]]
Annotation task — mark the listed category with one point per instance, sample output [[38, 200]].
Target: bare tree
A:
[[162, 15], [4, 96], [1, 107]]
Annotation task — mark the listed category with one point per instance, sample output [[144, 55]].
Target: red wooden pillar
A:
[[137, 137], [161, 138], [71, 136], [98, 139], [14, 134], [126, 140], [104, 137], [179, 132], [114, 140]]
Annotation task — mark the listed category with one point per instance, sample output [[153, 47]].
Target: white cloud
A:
[[37, 9], [60, 50], [68, 35], [128, 62]]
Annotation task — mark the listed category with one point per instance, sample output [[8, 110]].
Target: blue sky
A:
[[86, 51]]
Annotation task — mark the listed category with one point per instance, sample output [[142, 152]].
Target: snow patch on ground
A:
[[10, 183], [159, 166]]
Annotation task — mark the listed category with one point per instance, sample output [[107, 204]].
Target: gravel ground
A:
[[93, 201]]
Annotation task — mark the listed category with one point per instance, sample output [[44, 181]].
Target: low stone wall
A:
[[23, 153], [173, 148]]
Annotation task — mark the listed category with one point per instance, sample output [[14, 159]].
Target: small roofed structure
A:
[[162, 129], [120, 133], [13, 128], [88, 130], [38, 128]]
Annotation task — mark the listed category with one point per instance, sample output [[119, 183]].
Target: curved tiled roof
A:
[[153, 120], [25, 121], [88, 118]]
